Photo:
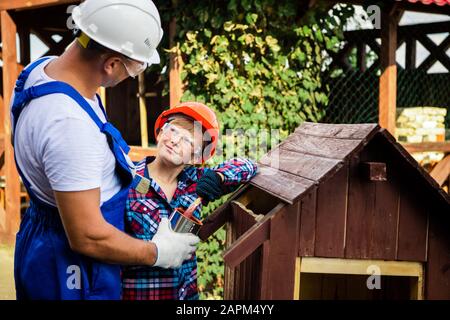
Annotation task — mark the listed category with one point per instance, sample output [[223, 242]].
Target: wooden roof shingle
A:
[[315, 152]]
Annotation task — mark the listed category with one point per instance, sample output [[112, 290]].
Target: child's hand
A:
[[209, 186]]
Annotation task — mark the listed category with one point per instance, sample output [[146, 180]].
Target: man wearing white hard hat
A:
[[74, 163]]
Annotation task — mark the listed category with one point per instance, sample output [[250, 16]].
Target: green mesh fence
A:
[[416, 88], [354, 94], [353, 98]]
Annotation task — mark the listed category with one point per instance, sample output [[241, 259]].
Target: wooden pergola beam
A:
[[175, 68], [441, 171], [28, 4], [388, 78], [10, 74]]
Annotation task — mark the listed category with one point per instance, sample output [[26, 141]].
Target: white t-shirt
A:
[[59, 147]]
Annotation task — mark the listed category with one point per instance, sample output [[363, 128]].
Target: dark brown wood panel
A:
[[283, 252], [361, 203], [242, 222], [437, 269], [265, 271], [384, 225], [342, 131], [373, 210], [320, 146], [285, 186], [413, 226], [331, 216], [300, 164], [307, 225]]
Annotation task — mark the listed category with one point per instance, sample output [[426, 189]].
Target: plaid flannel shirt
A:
[[146, 204]]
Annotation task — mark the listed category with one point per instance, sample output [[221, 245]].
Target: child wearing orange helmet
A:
[[186, 135]]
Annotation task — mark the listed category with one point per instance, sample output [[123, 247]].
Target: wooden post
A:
[[102, 93], [176, 64], [411, 50], [10, 73], [25, 51], [25, 4], [143, 111], [388, 78]]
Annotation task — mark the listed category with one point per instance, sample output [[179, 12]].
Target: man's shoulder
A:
[[59, 102]]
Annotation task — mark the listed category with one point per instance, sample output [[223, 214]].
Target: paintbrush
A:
[[189, 211]]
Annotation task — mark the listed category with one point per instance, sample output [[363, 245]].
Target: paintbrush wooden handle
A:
[[189, 211]]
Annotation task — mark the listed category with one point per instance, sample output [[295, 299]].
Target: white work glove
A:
[[173, 247]]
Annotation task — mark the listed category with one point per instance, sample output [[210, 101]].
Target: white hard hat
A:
[[131, 27]]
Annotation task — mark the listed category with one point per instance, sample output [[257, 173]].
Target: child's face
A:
[[176, 145]]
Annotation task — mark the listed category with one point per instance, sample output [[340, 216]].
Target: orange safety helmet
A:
[[199, 112]]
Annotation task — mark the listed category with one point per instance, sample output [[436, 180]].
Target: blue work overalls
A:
[[45, 266]]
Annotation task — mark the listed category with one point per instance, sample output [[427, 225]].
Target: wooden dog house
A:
[[332, 208]]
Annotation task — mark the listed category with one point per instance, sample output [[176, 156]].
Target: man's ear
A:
[[111, 64]]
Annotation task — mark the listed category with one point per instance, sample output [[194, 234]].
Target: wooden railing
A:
[[441, 172]]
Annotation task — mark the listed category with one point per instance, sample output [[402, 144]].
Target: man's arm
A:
[[91, 235]]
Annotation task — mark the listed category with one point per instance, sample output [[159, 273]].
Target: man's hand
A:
[[210, 186], [173, 248]]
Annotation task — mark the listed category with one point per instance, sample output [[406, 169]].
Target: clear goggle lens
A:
[[135, 68]]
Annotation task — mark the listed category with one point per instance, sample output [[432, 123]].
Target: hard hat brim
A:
[[154, 59]]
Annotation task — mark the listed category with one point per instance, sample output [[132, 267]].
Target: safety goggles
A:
[[134, 68], [170, 130]]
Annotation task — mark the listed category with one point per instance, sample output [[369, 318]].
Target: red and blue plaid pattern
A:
[[146, 204]]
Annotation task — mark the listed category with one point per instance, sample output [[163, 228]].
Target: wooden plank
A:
[[383, 238], [248, 242], [175, 68], [411, 53], [360, 267], [143, 111], [338, 131], [31, 4], [2, 128], [307, 225], [300, 164], [413, 226], [441, 171], [10, 74], [283, 185], [298, 262], [320, 146], [373, 207], [388, 78], [220, 216], [443, 146], [265, 268], [387, 100], [437, 273], [139, 153], [242, 222], [361, 203], [25, 51], [229, 273], [331, 216], [215, 221], [283, 252]]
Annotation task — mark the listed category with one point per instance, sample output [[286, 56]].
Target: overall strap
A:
[[61, 87]]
